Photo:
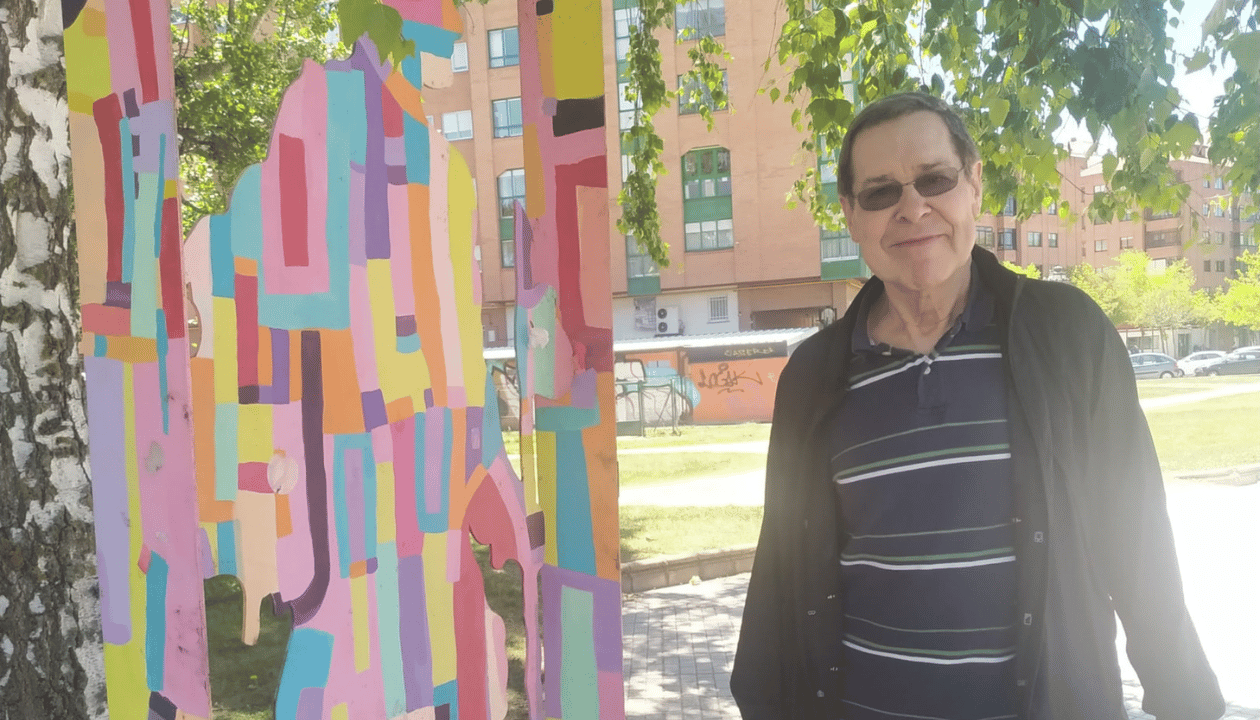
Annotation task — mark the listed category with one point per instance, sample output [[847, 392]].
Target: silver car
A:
[[1149, 365]]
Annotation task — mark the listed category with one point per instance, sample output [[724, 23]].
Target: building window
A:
[[1100, 189], [1220, 183], [1126, 242], [984, 237], [1207, 208], [1034, 239], [698, 18], [709, 235], [1207, 181], [459, 57], [505, 47], [826, 163], [1220, 237], [627, 108], [693, 94], [511, 191], [1100, 245], [1053, 209], [1207, 266], [639, 263], [623, 20], [1163, 238], [1220, 266], [1218, 209], [1009, 207], [1236, 239], [457, 125], [507, 117], [1006, 239], [1053, 239], [627, 164], [706, 173], [837, 245], [717, 309]]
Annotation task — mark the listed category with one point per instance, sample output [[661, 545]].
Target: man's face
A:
[[919, 242]]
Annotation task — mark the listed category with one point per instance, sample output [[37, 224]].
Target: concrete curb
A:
[[652, 573], [1240, 475]]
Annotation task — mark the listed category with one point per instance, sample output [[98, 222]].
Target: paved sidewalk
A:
[[1183, 398], [680, 641]]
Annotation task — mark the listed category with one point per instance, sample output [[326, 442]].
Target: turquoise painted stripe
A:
[[163, 347], [447, 694], [128, 181], [144, 285], [558, 419], [306, 664], [438, 521], [227, 547], [416, 141], [222, 264], [388, 619], [246, 216], [161, 193], [491, 432], [226, 479], [408, 344], [341, 515], [574, 534], [101, 346], [579, 678], [347, 97], [155, 621]]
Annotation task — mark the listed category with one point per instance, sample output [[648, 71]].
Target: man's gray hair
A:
[[895, 106]]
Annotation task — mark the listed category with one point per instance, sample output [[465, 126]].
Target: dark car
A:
[[1238, 362], [1149, 365]]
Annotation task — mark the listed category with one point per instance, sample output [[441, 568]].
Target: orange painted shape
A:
[[132, 349], [461, 492], [246, 266], [358, 568], [406, 97], [399, 410], [295, 366], [451, 19], [343, 406], [264, 356], [93, 22], [600, 443], [428, 322], [211, 510], [284, 517]]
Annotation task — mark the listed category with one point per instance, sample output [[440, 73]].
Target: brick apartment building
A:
[[740, 260]]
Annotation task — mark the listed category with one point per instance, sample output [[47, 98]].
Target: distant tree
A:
[[1029, 271], [1240, 302], [233, 62]]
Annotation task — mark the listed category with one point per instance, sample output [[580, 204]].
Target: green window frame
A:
[[707, 209], [511, 188]]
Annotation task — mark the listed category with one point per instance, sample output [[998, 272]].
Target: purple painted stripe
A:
[[413, 634], [434, 450], [405, 325], [310, 704], [353, 461], [374, 409], [118, 294], [375, 196], [109, 494], [207, 559], [280, 366], [607, 618], [472, 439], [397, 174]]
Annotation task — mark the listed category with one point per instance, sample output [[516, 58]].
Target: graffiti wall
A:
[[331, 444]]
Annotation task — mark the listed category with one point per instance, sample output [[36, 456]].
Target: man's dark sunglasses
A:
[[929, 184]]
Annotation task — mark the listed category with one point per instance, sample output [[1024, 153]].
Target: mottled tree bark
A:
[[50, 637]]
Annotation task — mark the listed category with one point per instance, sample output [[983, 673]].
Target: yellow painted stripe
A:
[[547, 490], [385, 529], [225, 378], [254, 442], [362, 634], [440, 601], [399, 375]]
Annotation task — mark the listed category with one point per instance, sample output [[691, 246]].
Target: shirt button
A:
[[927, 370], [811, 612], [835, 669], [820, 693], [1021, 683], [831, 597], [1039, 537], [1028, 618]]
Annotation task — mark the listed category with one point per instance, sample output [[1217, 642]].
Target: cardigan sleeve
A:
[[1142, 574]]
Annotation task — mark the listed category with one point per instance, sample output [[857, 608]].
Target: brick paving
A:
[[680, 642]]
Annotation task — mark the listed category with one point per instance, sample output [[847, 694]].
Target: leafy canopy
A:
[[1132, 292], [233, 62], [1240, 302]]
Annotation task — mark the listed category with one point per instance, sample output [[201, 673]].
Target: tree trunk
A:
[[50, 637]]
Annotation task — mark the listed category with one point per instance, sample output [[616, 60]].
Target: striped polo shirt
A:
[[920, 460]]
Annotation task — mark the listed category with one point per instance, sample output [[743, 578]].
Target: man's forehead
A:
[[915, 142]]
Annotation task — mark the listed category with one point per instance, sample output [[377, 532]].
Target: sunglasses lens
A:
[[935, 183], [880, 197]]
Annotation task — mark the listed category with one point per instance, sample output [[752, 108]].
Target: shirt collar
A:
[[976, 314]]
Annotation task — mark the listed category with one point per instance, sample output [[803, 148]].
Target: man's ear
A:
[[977, 182], [847, 206]]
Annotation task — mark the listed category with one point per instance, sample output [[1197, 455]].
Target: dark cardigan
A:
[[1094, 539]]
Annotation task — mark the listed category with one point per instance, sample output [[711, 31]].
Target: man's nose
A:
[[911, 205]]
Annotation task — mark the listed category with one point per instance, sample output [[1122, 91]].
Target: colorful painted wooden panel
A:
[[331, 444]]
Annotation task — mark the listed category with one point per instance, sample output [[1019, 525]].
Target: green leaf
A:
[[1245, 49], [998, 110], [1109, 163], [1198, 62]]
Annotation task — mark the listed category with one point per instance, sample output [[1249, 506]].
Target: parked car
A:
[[1238, 362], [1191, 363], [1149, 365]]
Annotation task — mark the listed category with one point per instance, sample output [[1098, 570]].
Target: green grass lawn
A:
[[661, 468], [650, 531], [243, 679], [1217, 433]]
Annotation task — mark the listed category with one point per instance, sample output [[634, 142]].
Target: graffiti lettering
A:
[[726, 380]]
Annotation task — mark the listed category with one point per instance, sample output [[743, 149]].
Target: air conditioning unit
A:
[[667, 320]]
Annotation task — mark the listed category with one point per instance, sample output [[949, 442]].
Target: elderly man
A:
[[961, 489]]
